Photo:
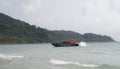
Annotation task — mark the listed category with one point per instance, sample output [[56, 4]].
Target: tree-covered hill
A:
[[17, 31], [88, 37], [62, 35]]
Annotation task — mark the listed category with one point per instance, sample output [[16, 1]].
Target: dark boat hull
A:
[[64, 45]]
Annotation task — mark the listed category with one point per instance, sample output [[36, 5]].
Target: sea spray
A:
[[83, 44]]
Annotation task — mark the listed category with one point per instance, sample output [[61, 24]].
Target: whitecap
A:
[[89, 65], [62, 62], [9, 57]]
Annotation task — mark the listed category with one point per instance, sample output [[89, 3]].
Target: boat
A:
[[65, 43]]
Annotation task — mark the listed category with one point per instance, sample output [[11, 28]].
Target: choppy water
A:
[[45, 56]]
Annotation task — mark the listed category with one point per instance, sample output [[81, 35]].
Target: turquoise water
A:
[[104, 55]]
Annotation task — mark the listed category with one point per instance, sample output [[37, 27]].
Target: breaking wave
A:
[[61, 62], [96, 66], [10, 57]]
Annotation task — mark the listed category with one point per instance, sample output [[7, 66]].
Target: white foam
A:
[[9, 57], [89, 65], [83, 44], [61, 62]]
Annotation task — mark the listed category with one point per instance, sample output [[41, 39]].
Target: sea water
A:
[[97, 55]]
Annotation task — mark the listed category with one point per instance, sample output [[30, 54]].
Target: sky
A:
[[83, 16]]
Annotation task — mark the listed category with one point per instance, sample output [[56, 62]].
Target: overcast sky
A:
[[83, 16]]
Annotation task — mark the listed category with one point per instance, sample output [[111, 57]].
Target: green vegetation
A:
[[16, 31], [88, 37]]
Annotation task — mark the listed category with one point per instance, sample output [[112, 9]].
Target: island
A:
[[16, 31]]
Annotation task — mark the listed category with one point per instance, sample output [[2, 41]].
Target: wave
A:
[[61, 62], [10, 57], [96, 66]]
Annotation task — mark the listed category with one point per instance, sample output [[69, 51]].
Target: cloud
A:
[[31, 6], [115, 5]]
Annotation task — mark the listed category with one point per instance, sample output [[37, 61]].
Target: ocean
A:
[[96, 55]]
